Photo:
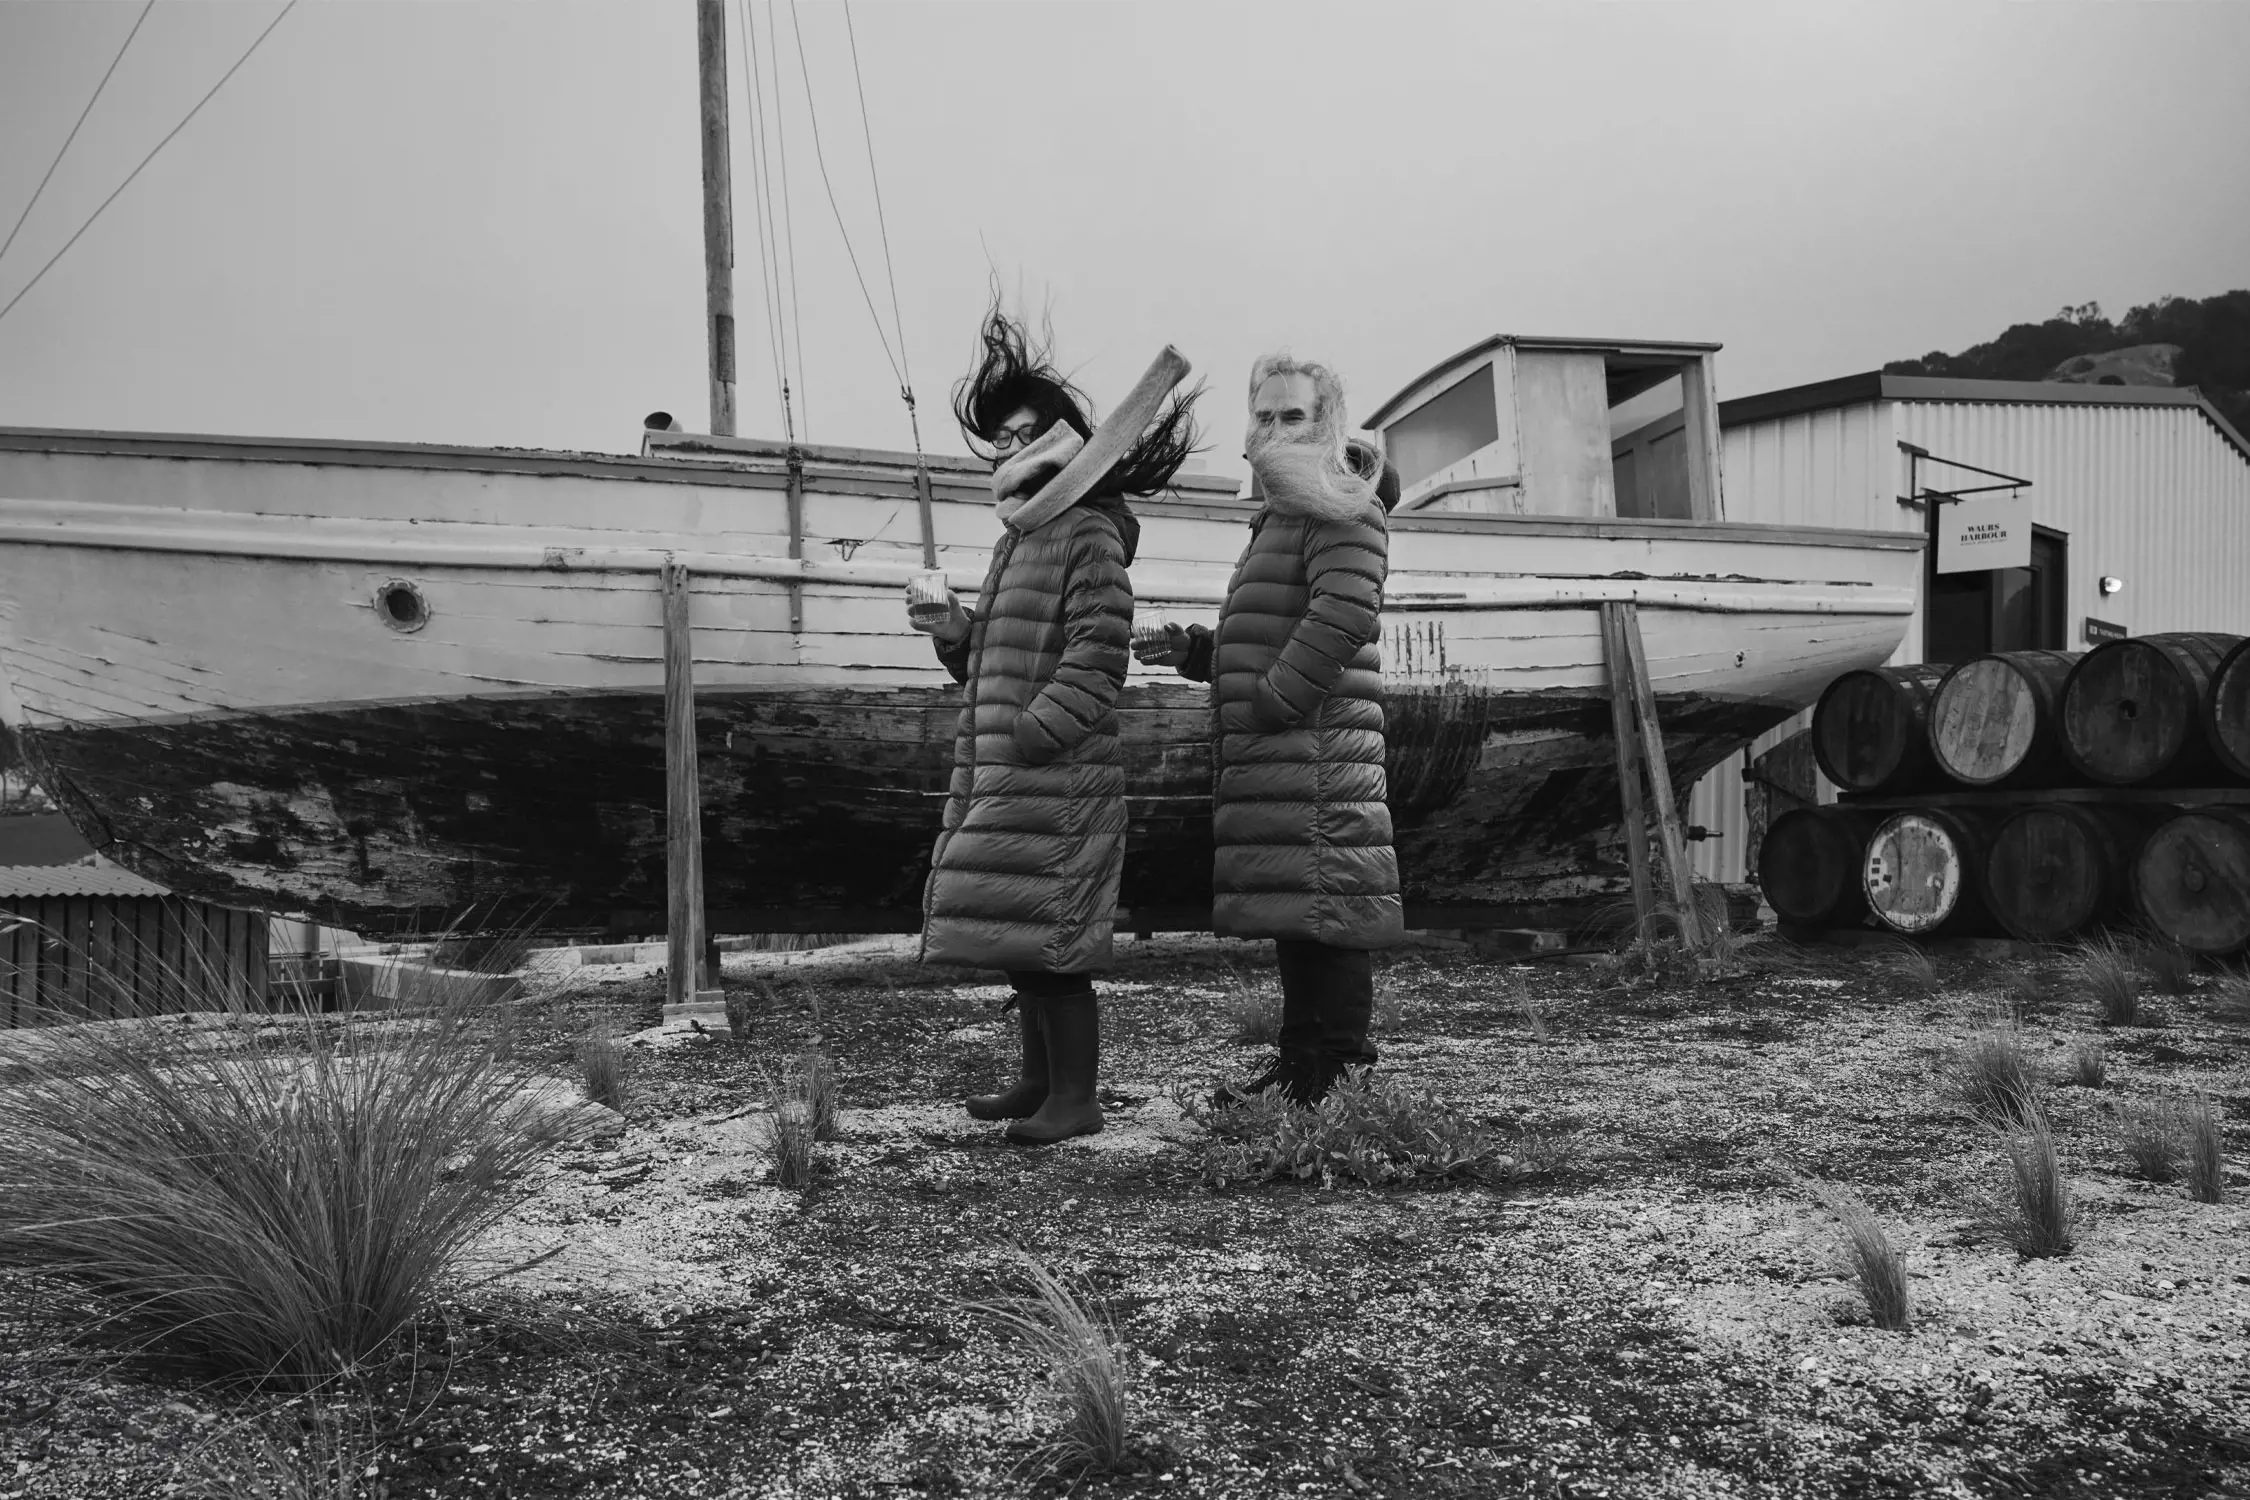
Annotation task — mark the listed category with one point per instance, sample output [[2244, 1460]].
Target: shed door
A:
[[2003, 609]]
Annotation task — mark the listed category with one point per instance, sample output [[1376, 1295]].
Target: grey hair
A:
[[1328, 387]]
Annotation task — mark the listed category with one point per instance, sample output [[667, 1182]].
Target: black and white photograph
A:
[[828, 749]]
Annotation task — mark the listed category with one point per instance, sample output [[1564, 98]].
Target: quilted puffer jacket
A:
[[1024, 875], [1302, 831]]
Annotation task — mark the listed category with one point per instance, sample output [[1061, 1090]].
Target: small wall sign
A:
[[2098, 631], [1977, 534]]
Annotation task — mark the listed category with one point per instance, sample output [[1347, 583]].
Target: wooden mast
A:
[[718, 209]]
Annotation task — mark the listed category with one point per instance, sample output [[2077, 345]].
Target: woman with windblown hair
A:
[[1024, 876]]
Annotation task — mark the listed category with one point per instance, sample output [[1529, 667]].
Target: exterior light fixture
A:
[[2112, 585]]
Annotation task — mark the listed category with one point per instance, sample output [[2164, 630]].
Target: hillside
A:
[[2211, 335]]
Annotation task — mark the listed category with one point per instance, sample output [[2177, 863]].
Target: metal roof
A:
[[1663, 356], [1854, 390], [28, 882]]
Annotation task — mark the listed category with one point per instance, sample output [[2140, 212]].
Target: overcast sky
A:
[[475, 222]]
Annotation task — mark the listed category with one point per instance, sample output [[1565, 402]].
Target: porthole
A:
[[401, 606]]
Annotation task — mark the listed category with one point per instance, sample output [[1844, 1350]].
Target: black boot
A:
[[1074, 1041], [1299, 1041], [1342, 981], [1030, 1091]]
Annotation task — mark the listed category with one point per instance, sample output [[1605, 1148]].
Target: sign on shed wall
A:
[[1978, 534]]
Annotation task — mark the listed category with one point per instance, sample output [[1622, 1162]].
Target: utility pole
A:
[[718, 210]]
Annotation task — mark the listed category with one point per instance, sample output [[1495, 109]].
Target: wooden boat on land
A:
[[382, 685]]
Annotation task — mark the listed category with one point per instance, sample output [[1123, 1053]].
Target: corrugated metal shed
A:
[[33, 881], [2149, 485]]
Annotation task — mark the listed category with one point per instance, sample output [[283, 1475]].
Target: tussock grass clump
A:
[[1529, 1008], [1253, 1016], [279, 1196], [2206, 1152], [1369, 1131], [1087, 1379], [2103, 971], [2154, 1136], [602, 1068], [1875, 1261], [804, 1110], [1912, 967], [2089, 1064], [2024, 992], [1992, 1074], [2171, 969], [2040, 1218], [742, 1014], [323, 1457]]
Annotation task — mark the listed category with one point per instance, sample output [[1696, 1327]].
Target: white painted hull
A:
[[152, 582]]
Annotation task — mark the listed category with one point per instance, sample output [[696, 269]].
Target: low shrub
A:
[[2039, 1219], [1390, 1018], [1087, 1378], [2206, 1152], [1875, 1261], [1375, 1132], [279, 1196]]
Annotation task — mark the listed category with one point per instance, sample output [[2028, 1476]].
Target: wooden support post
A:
[[1660, 776], [1700, 407], [923, 498], [1628, 763], [795, 496], [688, 992]]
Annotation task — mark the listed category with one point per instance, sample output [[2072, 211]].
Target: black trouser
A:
[[1032, 984], [1327, 1002]]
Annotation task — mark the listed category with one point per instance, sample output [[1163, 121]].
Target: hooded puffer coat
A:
[[1025, 872], [1302, 830]]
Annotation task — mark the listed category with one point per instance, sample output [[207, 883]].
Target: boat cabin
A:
[[1521, 426]]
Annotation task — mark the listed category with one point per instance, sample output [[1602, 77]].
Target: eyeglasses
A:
[[1013, 437]]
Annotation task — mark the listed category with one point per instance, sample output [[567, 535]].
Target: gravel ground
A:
[[1673, 1316]]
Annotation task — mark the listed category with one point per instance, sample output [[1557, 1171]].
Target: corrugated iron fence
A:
[[105, 957]]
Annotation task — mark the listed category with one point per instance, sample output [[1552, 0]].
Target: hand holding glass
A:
[[934, 609], [1160, 643]]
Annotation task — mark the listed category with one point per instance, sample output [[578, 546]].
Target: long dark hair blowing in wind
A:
[[1015, 371]]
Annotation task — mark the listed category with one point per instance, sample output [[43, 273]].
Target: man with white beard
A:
[[1302, 832]]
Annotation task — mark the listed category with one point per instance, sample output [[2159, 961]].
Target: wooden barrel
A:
[[2059, 868], [1924, 872], [1993, 720], [2192, 880], [1871, 729], [1809, 865], [2136, 710], [2227, 711]]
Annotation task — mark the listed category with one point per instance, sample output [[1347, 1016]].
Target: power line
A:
[[160, 145], [82, 114], [821, 158]]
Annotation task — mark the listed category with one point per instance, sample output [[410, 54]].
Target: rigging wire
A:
[[91, 101], [898, 323], [821, 157], [767, 291], [788, 219], [158, 147]]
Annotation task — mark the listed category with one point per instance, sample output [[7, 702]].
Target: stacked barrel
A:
[[2041, 794]]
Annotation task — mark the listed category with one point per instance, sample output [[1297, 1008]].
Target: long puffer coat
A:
[[1025, 872], [1302, 829]]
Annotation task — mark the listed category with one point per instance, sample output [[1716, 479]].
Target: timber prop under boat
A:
[[383, 685]]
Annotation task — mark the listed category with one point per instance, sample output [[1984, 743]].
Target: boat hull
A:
[[200, 659]]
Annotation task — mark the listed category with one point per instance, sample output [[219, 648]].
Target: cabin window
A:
[[2002, 609], [1444, 430]]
